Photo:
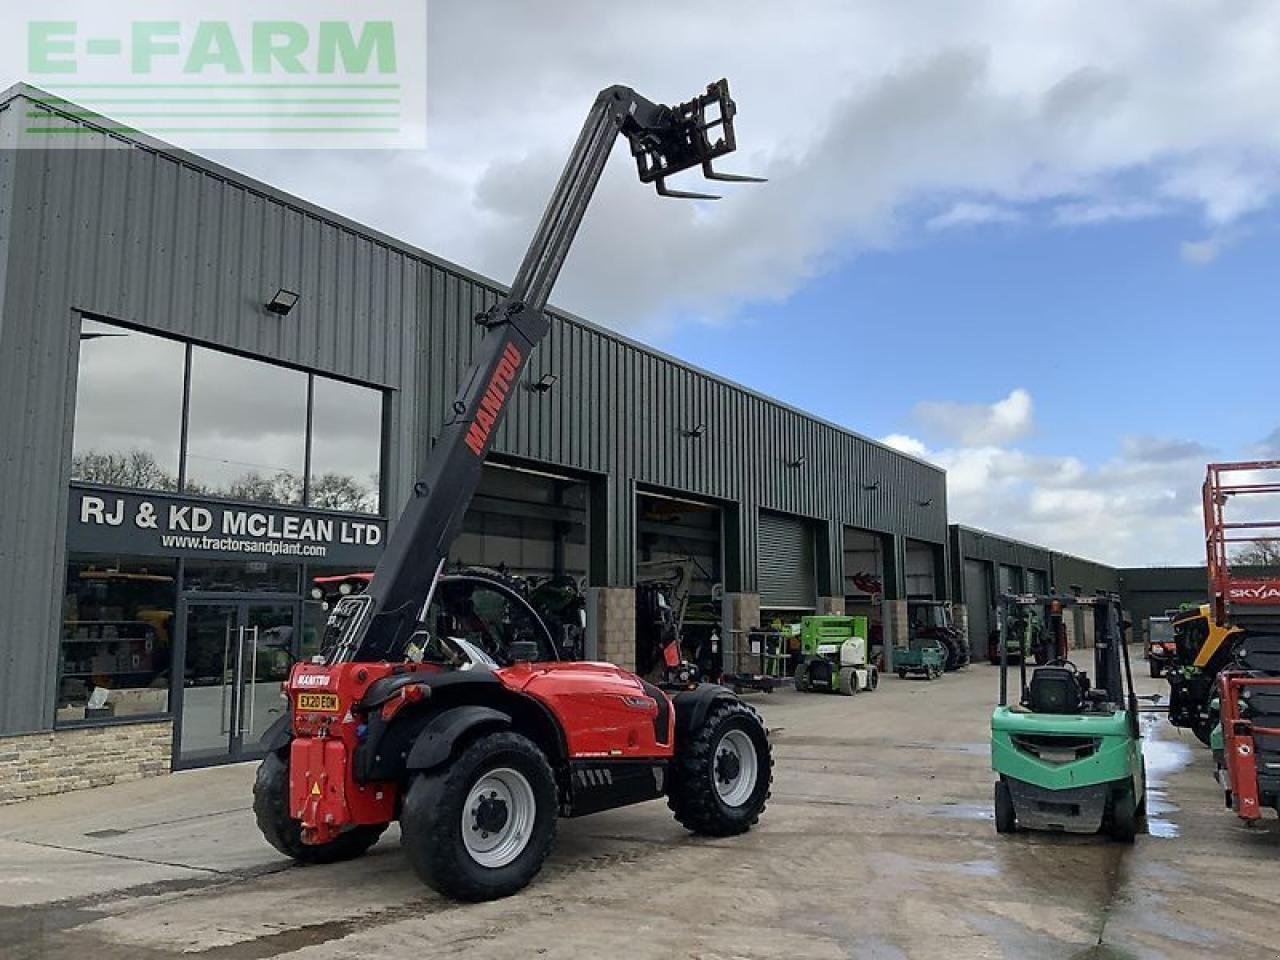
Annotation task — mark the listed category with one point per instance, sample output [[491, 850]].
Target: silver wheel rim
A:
[[734, 768], [497, 819]]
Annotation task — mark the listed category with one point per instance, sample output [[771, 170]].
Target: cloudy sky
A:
[[1034, 243]]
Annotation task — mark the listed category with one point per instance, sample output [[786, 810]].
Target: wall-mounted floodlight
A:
[[870, 484], [543, 383], [697, 432], [283, 302], [799, 461], [924, 503]]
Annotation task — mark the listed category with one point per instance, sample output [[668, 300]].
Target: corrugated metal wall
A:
[[1064, 570], [992, 550], [142, 234], [1090, 577], [146, 237]]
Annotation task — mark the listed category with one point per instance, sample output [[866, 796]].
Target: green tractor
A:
[[833, 656], [1068, 752]]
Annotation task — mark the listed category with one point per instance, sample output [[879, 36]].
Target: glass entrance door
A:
[[237, 654]]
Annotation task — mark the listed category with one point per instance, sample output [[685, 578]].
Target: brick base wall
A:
[[831, 606], [960, 617], [56, 761], [897, 630], [740, 614], [611, 617]]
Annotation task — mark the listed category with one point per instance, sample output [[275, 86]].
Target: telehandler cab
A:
[[435, 704]]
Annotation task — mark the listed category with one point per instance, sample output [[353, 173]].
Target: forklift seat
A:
[[1054, 690]]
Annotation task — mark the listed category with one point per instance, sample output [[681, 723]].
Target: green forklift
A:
[[1068, 752], [833, 656]]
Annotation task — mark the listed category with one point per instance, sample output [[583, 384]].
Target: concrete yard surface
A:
[[877, 844]]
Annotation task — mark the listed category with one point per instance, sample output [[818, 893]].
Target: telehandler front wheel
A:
[[282, 831], [722, 772], [480, 827]]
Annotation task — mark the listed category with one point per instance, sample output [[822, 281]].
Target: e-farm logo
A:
[[280, 73]]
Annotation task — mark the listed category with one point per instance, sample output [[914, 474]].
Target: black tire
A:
[[695, 795], [271, 810], [1006, 816], [902, 673], [801, 678], [848, 681], [951, 655], [873, 678], [431, 823], [1124, 817], [1156, 670]]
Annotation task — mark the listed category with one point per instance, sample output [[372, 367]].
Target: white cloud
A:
[[979, 424], [898, 108], [967, 214], [1097, 213], [900, 441], [1141, 506]]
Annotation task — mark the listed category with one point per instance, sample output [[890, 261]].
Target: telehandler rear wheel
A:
[[480, 827], [722, 772], [271, 809]]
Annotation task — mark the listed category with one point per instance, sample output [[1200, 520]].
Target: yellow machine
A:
[[1204, 647]]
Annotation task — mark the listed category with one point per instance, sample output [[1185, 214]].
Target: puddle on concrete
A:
[[1163, 758], [979, 868], [960, 811], [981, 749]]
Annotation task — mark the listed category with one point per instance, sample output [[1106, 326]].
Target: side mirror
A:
[[523, 651]]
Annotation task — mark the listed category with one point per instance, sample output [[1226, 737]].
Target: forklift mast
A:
[[379, 623], [1111, 669]]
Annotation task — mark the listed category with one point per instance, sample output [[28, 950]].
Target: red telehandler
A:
[[440, 701], [1248, 685]]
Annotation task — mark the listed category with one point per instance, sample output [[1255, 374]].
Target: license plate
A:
[[322, 702]]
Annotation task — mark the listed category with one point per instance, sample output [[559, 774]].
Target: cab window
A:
[[487, 617]]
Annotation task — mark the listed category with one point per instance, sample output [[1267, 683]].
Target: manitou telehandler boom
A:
[[442, 702]]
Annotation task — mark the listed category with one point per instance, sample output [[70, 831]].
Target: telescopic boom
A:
[[378, 624]]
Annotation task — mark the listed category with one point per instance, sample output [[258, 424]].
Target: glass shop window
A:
[[346, 446], [247, 429], [241, 576], [117, 637], [128, 423]]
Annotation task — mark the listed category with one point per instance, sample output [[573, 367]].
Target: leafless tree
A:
[[1258, 553]]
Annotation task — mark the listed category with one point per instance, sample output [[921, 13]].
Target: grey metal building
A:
[[178, 462], [985, 565]]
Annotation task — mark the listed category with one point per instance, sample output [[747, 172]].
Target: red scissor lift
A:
[[1249, 690]]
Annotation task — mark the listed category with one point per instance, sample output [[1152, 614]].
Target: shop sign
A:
[[102, 520]]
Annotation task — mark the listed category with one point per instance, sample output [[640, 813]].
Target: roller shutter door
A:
[[1010, 579], [977, 598], [786, 573], [1037, 582]]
